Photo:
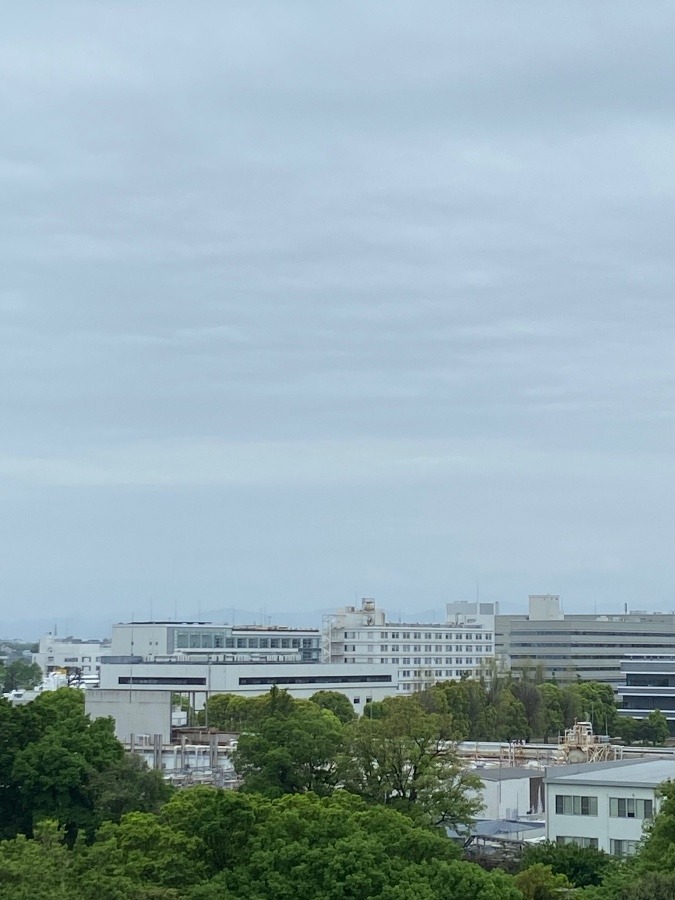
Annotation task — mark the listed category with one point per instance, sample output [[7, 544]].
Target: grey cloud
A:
[[363, 292]]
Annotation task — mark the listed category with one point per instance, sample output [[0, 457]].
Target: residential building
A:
[[204, 640], [81, 658], [604, 805], [648, 683], [421, 653], [586, 646]]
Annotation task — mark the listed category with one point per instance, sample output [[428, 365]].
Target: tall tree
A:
[[290, 753], [407, 760]]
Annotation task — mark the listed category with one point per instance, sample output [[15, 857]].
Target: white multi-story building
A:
[[420, 653], [169, 640], [604, 805], [79, 657]]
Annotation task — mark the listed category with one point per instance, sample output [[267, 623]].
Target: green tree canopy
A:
[[406, 759], [339, 704]]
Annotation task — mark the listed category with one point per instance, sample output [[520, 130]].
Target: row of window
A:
[[417, 636], [205, 640], [417, 648], [619, 807], [416, 660], [616, 847]]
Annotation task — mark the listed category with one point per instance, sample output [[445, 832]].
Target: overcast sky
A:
[[302, 302]]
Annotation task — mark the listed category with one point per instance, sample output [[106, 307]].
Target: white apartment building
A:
[[169, 640], [420, 653], [604, 805], [81, 657]]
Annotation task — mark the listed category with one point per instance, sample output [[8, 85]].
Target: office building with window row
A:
[[569, 647]]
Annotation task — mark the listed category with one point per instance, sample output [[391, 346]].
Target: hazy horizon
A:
[[309, 302]]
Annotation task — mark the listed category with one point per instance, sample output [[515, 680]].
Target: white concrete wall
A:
[[603, 826]]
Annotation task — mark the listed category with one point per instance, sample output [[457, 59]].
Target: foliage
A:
[[406, 759], [583, 866], [291, 753], [337, 703], [20, 674], [127, 785], [538, 882]]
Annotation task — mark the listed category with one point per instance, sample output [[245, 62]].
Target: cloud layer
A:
[[301, 300]]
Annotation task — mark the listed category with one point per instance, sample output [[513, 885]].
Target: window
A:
[[182, 639], [438, 648], [630, 808], [427, 635], [417, 635], [427, 648], [406, 673], [622, 848], [394, 660], [217, 640], [579, 841], [438, 660], [384, 660], [417, 660], [394, 648], [286, 642], [70, 658], [406, 635], [394, 635], [427, 660], [384, 635], [241, 642], [253, 643], [406, 648], [469, 648], [357, 700], [274, 643], [575, 805], [458, 648], [295, 643], [417, 648], [406, 660], [265, 642], [194, 639]]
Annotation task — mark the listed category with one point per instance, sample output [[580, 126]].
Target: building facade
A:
[[80, 658], [604, 805], [421, 653], [568, 647], [648, 683], [166, 640], [202, 678]]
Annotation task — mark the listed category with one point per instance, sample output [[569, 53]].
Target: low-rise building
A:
[[604, 805], [202, 678]]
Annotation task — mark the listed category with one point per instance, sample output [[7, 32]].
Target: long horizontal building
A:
[[203, 678], [587, 646], [170, 640]]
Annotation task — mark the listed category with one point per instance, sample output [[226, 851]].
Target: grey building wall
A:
[[135, 712]]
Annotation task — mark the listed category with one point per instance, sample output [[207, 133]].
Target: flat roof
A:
[[641, 773], [507, 773]]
